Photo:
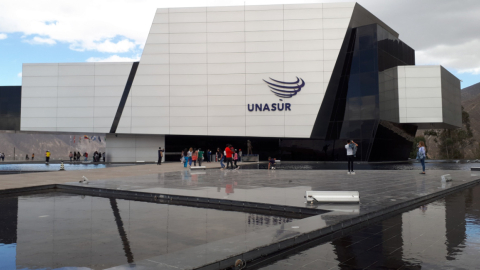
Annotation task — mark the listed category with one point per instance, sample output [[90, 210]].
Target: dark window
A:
[[10, 105]]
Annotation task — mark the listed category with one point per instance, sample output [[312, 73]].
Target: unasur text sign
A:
[[280, 89]]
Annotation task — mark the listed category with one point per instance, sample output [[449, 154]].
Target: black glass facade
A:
[[10, 106], [355, 113]]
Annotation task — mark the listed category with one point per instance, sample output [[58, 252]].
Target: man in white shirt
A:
[[351, 148]]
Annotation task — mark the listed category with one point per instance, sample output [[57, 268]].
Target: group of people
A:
[[351, 148], [192, 155], [76, 156], [230, 156]]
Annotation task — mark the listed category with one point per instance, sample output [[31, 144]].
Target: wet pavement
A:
[[378, 188], [358, 166], [55, 229], [444, 234]]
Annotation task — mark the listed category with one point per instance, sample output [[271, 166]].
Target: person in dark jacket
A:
[[160, 156]]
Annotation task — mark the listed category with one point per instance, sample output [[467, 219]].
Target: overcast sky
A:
[[442, 32]]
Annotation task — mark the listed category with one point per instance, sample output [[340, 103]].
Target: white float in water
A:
[[333, 196]]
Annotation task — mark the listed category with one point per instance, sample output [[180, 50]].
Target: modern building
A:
[[297, 80]]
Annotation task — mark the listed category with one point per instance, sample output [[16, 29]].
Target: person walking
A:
[[26, 157], [221, 159], [74, 156], [86, 156], [70, 156], [351, 148], [195, 157], [422, 154], [33, 156], [47, 156], [218, 155], [228, 155], [185, 157], [189, 156], [78, 156], [200, 154], [209, 155], [160, 156]]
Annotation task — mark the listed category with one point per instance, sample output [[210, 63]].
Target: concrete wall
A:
[[132, 148]]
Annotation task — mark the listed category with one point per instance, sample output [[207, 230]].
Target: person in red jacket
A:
[[228, 155]]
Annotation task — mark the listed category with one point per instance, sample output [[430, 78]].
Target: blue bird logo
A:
[[285, 89]]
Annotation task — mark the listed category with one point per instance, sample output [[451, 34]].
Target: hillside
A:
[[470, 92], [58, 145], [471, 147]]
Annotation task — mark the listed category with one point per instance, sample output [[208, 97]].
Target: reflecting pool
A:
[[444, 234], [55, 230], [40, 167]]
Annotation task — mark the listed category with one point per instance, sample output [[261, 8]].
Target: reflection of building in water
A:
[[258, 219]]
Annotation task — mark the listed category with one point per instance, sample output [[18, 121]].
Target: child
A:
[[235, 158], [195, 157]]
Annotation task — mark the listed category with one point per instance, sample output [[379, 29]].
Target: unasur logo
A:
[[286, 89], [282, 90]]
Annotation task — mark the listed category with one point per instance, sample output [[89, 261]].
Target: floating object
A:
[[62, 167], [333, 196], [84, 180], [446, 178], [198, 168]]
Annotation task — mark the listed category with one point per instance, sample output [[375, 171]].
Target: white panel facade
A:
[[203, 72], [428, 96], [123, 147], [217, 60], [72, 97]]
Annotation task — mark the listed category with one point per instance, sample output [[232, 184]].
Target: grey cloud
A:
[[428, 23]]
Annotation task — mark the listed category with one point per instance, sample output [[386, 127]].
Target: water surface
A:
[[54, 230], [444, 234]]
